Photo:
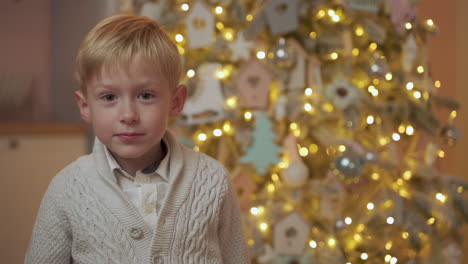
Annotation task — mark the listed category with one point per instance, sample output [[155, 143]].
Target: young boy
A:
[[139, 197]]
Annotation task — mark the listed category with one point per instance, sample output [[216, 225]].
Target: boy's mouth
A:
[[129, 136]]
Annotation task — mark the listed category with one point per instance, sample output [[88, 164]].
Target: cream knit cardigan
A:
[[85, 217]]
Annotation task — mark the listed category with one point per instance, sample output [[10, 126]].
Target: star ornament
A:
[[241, 47]]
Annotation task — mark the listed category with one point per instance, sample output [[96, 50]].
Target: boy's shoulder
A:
[[64, 179], [204, 160]]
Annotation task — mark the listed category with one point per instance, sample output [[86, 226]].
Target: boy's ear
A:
[[80, 99], [178, 100]]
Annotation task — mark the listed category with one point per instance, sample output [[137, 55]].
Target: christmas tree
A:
[[323, 112]]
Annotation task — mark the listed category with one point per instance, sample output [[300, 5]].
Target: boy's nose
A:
[[129, 113]]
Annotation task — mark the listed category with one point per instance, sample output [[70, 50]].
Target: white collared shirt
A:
[[149, 186]]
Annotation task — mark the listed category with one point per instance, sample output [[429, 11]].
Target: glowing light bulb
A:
[[334, 56], [303, 151], [263, 226], [348, 220], [409, 86], [370, 206], [261, 55], [179, 38], [388, 76], [219, 10], [254, 211], [248, 116], [308, 91], [202, 137], [359, 31], [308, 107], [407, 175], [185, 7], [390, 220], [355, 52], [312, 244], [408, 26], [430, 221], [364, 256], [217, 132], [441, 197], [190, 73], [370, 120]]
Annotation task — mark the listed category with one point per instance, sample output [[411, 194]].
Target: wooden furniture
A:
[[30, 156]]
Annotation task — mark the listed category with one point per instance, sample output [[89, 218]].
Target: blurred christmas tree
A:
[[324, 113]]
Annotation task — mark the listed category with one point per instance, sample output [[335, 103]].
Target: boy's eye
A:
[[146, 96], [108, 97]]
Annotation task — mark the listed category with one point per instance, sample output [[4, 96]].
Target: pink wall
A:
[[25, 47], [443, 59]]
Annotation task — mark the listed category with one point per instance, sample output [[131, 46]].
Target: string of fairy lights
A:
[[370, 195]]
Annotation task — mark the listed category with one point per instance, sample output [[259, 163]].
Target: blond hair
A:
[[118, 39]]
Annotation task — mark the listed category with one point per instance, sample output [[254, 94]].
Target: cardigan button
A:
[[157, 259], [136, 233]]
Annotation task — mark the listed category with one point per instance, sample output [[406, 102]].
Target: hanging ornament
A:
[[306, 71], [282, 16], [401, 12], [290, 235], [430, 154], [207, 103], [200, 26], [283, 55], [263, 152], [378, 66], [267, 256], [450, 134], [154, 10], [281, 107], [349, 166], [244, 187], [253, 82], [297, 173], [241, 47], [330, 194], [375, 31], [365, 5], [409, 53], [342, 93]]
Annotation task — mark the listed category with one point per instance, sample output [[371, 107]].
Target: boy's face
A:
[[129, 110]]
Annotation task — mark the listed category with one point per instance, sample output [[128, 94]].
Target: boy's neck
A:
[[131, 166]]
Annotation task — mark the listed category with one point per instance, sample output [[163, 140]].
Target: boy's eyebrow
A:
[[138, 85]]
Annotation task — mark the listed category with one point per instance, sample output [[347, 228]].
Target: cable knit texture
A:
[[86, 218]]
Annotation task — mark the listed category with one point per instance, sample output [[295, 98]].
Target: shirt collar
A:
[[161, 168]]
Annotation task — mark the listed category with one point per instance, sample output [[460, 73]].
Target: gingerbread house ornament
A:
[[253, 83], [290, 235], [282, 16], [200, 26], [244, 186], [306, 72]]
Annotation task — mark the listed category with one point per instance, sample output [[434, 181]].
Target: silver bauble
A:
[[349, 166], [283, 55], [450, 134]]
